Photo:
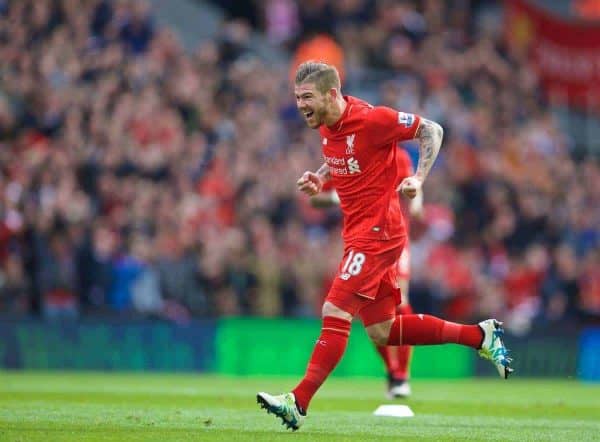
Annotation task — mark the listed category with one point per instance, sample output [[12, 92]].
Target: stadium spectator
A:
[[110, 132]]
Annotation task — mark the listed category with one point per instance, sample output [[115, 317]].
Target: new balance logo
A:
[[324, 141], [350, 144], [353, 166]]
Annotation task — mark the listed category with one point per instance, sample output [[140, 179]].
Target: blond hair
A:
[[323, 75]]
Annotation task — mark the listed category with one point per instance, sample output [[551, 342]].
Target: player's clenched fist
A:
[[310, 183], [410, 186]]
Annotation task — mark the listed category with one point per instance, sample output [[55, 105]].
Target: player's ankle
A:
[[397, 377], [301, 410]]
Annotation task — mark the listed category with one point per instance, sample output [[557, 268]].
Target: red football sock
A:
[[388, 354], [427, 330], [327, 353]]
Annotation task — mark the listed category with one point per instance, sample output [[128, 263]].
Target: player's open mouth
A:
[[309, 114]]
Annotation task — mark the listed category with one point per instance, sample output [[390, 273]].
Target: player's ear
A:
[[333, 93]]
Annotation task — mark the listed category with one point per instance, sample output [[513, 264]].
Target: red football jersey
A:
[[360, 150], [403, 165]]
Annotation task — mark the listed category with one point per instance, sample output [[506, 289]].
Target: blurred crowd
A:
[[138, 179]]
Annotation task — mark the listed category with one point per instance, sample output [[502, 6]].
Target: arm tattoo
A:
[[430, 136], [323, 172]]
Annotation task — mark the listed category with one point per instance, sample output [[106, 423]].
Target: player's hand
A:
[[310, 183], [410, 186], [415, 206]]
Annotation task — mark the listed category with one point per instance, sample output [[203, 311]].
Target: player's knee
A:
[[379, 333], [330, 309], [377, 337]]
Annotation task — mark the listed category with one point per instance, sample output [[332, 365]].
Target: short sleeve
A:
[[386, 125]]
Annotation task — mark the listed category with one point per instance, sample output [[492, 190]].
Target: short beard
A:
[[320, 116]]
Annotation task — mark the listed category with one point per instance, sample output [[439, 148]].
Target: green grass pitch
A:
[[41, 406]]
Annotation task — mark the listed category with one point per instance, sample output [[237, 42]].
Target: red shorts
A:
[[366, 281]]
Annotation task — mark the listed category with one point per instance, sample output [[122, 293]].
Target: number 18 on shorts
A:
[[361, 272], [353, 265]]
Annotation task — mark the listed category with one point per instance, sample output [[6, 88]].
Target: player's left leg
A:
[[338, 311], [328, 351], [355, 287], [429, 330]]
